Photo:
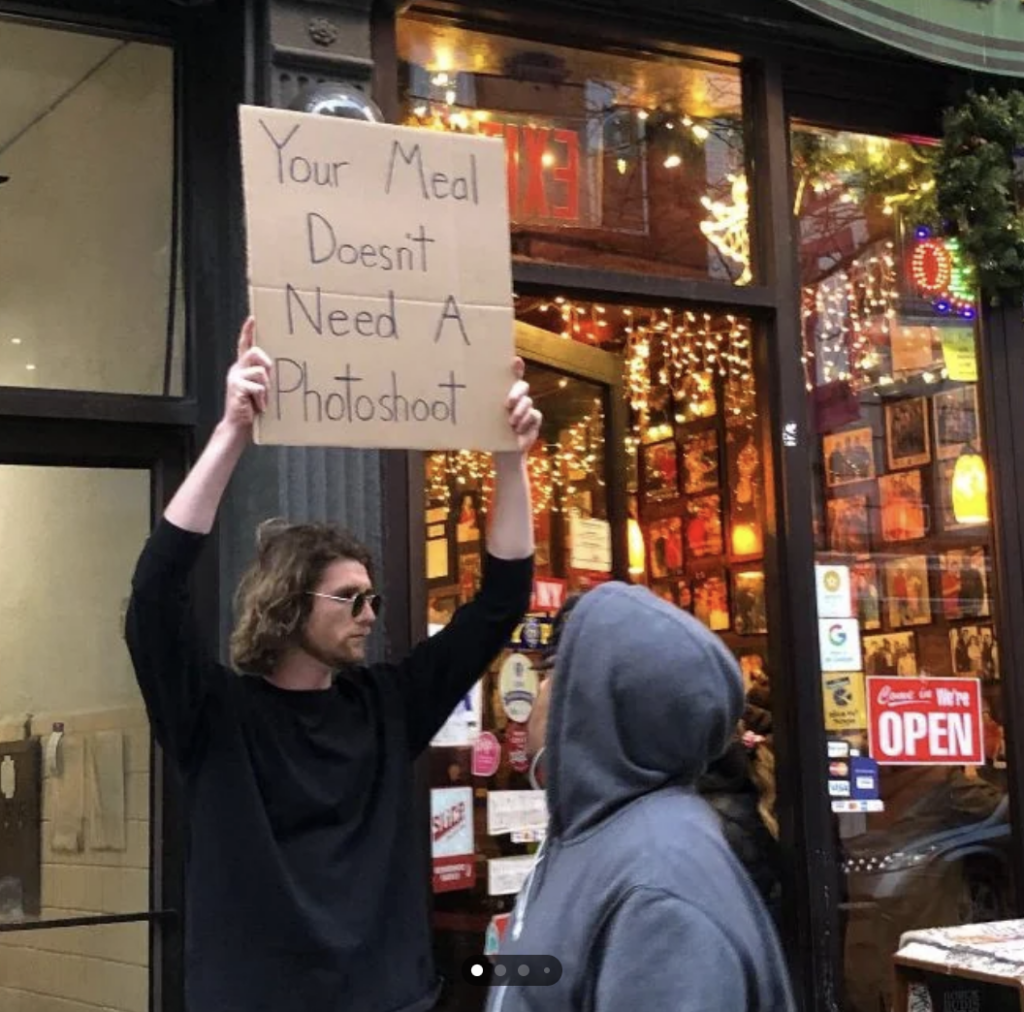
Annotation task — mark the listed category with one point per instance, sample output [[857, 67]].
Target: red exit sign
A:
[[543, 165]]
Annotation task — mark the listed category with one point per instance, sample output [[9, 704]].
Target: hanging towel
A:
[[105, 793], [67, 792]]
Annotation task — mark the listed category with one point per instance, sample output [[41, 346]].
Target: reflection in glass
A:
[[613, 162], [92, 294], [78, 844], [891, 371]]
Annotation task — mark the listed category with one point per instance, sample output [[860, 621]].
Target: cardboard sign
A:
[[380, 279], [451, 838], [925, 721]]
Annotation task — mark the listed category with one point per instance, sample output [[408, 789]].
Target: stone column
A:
[[297, 45]]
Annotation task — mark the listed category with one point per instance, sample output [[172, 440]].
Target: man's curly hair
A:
[[272, 602]]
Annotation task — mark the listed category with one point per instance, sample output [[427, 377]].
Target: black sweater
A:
[[303, 889]]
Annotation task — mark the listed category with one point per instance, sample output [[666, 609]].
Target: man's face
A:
[[332, 634], [537, 728]]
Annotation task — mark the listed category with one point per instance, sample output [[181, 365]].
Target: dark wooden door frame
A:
[[811, 874], [1002, 408]]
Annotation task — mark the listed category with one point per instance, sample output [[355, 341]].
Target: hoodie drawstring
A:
[[518, 918]]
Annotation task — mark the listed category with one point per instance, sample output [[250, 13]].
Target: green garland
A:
[[974, 177]]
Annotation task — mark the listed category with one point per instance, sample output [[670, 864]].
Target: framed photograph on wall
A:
[[904, 511], [906, 433], [906, 591], [661, 471], [711, 599], [467, 524], [849, 525], [964, 584], [746, 493], [700, 461], [749, 612], [665, 546], [956, 421], [704, 527], [867, 595], [975, 651], [890, 654], [849, 457]]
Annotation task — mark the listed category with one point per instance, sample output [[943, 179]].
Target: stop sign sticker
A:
[[925, 721]]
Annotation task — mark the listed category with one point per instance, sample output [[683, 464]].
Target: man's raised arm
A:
[[194, 506], [174, 672]]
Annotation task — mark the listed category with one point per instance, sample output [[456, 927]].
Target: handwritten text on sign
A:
[[925, 721], [380, 281]]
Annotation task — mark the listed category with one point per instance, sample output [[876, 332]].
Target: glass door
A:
[[910, 675], [80, 831], [479, 763]]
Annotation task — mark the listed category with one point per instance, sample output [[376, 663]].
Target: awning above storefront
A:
[[985, 35]]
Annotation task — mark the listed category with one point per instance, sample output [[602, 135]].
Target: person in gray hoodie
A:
[[635, 890]]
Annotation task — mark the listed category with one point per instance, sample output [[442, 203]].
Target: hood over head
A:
[[644, 695]]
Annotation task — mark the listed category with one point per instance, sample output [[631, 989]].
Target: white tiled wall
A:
[[88, 969]]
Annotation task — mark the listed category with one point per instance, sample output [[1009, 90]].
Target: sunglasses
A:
[[358, 601]]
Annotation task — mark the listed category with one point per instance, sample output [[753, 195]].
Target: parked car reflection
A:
[[942, 860]]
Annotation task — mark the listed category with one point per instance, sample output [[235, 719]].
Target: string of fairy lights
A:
[[689, 351], [689, 359], [693, 353], [726, 225], [686, 354], [557, 470], [850, 316]]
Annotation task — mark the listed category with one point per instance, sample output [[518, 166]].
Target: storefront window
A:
[[695, 476], [613, 162], [916, 765], [92, 294]]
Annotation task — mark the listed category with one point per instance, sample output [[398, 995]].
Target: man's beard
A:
[[338, 659]]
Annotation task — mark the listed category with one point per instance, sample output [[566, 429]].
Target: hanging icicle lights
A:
[[695, 357], [556, 469], [841, 313], [689, 350]]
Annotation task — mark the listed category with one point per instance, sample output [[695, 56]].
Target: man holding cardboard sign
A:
[[303, 888]]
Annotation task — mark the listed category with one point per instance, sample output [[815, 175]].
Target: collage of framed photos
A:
[[700, 502], [921, 579]]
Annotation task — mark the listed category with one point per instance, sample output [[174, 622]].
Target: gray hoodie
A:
[[636, 891]]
